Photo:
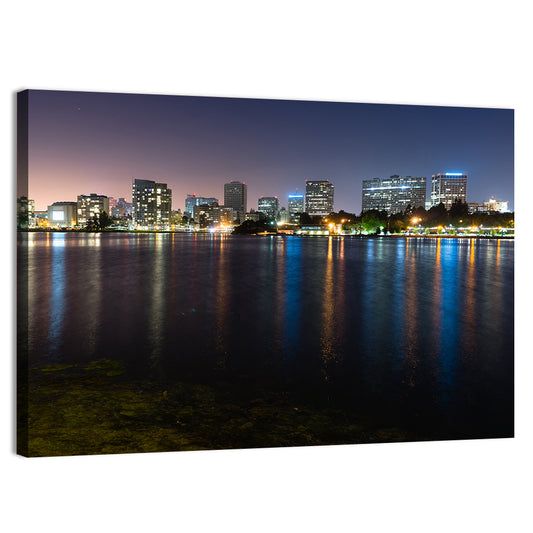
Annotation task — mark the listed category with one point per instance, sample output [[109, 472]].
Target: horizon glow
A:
[[84, 142]]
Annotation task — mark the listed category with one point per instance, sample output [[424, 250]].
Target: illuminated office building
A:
[[269, 206], [394, 194], [318, 197], [235, 197], [152, 204], [296, 206], [193, 200], [90, 205], [447, 187]]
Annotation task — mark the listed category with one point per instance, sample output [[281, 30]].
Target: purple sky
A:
[[81, 143]]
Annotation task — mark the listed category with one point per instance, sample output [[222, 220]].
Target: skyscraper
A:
[[393, 194], [318, 197], [269, 205], [152, 203], [235, 197], [448, 187], [296, 206]]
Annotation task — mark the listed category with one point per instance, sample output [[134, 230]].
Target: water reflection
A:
[[89, 287], [57, 293], [222, 303], [470, 300], [293, 296], [157, 316], [399, 323], [280, 316], [410, 321], [328, 351]]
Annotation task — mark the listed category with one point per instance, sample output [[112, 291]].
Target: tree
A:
[[437, 215], [252, 227], [373, 220], [458, 211], [22, 219], [305, 219], [92, 224], [104, 220]]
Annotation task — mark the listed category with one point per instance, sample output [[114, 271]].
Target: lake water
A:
[[418, 332]]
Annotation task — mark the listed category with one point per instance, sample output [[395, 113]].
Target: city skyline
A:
[[82, 143]]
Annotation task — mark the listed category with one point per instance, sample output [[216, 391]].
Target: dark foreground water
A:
[[415, 332]]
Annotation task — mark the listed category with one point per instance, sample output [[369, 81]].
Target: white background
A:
[[452, 53]]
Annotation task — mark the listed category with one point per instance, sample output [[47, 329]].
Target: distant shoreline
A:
[[373, 236]]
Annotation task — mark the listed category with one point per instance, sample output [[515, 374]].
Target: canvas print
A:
[[200, 273]]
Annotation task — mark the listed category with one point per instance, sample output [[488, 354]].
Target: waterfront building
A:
[[254, 215], [269, 206], [90, 205], [63, 214], [193, 200], [235, 193], [319, 197], [175, 217], [152, 204], [313, 230], [394, 194], [447, 187], [212, 216], [41, 219], [296, 206], [496, 206]]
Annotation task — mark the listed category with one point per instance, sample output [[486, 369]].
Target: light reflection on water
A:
[[395, 322]]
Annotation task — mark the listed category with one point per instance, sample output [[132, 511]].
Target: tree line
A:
[[376, 221]]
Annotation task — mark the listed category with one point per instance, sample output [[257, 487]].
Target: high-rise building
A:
[[63, 214], [152, 204], [447, 187], [269, 205], [193, 200], [90, 205], [394, 194], [235, 197], [318, 197], [296, 206]]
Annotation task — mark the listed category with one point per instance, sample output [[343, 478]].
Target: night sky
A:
[[81, 143]]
